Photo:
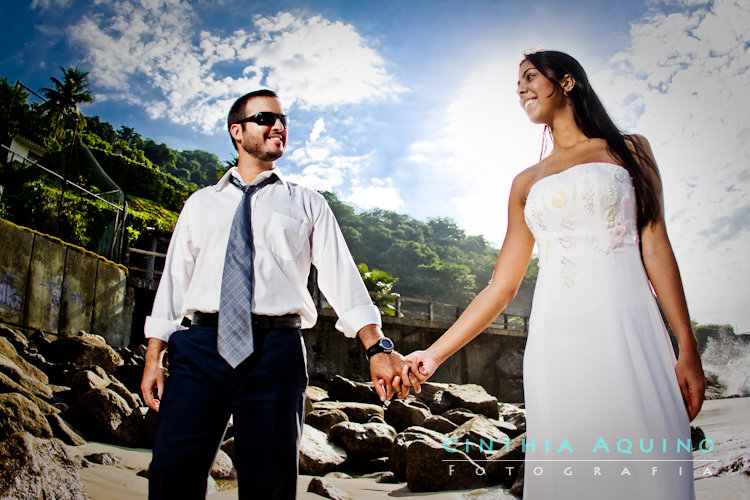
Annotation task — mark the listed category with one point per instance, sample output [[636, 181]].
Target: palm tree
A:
[[63, 99]]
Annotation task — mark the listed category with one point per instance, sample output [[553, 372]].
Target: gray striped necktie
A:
[[235, 329]]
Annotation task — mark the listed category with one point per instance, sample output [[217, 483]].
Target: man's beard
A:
[[260, 152]]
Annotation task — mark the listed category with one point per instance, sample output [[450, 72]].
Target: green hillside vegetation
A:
[[432, 260]]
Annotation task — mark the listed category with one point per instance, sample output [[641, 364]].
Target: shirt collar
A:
[[225, 180]]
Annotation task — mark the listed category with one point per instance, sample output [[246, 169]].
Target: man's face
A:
[[266, 143]]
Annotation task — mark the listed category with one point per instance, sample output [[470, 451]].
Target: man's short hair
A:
[[237, 111]]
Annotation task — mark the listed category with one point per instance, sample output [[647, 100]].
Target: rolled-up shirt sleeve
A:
[[338, 277], [168, 310]]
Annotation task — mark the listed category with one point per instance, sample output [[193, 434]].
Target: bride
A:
[[599, 368]]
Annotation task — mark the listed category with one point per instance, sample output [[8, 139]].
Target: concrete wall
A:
[[494, 359], [59, 288]]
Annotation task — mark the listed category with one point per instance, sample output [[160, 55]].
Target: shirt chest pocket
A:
[[285, 236]]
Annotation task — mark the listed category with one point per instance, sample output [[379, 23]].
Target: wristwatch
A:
[[382, 345]]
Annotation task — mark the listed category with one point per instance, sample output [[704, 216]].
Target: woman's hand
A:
[[420, 364], [692, 381]]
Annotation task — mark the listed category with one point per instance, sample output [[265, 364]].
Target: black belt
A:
[[211, 320]]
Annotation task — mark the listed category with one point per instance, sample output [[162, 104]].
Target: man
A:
[[257, 372]]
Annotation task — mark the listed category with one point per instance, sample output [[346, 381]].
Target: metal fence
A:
[[145, 267]]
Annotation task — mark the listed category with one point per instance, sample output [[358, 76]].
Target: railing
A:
[[404, 307], [120, 210]]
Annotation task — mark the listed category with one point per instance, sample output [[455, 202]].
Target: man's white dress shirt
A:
[[293, 226]]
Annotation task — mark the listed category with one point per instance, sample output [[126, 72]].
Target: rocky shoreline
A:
[[58, 395]]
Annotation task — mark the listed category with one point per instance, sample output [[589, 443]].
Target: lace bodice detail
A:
[[583, 211]]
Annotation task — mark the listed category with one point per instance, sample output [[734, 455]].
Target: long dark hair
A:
[[592, 119]]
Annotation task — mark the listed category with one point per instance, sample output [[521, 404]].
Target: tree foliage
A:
[[432, 260]]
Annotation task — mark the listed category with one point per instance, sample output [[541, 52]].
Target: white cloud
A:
[[47, 4], [683, 84], [324, 164], [482, 142], [138, 46], [381, 193]]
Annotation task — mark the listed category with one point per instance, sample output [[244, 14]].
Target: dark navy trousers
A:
[[265, 394]]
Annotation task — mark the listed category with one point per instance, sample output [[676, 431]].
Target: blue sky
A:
[[410, 106]]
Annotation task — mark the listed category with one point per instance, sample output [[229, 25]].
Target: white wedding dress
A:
[[605, 412]]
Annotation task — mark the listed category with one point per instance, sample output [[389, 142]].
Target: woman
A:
[[608, 405]]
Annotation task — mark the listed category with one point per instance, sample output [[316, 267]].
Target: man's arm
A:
[[385, 368]]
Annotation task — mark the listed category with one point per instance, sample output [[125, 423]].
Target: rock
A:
[[228, 447], [374, 465], [471, 397], [325, 419], [475, 398], [363, 441], [357, 412], [9, 354], [223, 468], [140, 351], [317, 454], [102, 415], [401, 414], [130, 376], [512, 414], [397, 454], [430, 467], [458, 416], [696, 437], [83, 352], [377, 419], [504, 466], [308, 408], [325, 489], [714, 388], [316, 394], [439, 423], [211, 486], [507, 428], [387, 477], [63, 432], [37, 468], [17, 375], [343, 389], [338, 475], [19, 414], [103, 458], [16, 338], [9, 386], [517, 488], [481, 431], [83, 381], [133, 400]]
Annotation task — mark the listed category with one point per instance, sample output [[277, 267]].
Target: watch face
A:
[[386, 344]]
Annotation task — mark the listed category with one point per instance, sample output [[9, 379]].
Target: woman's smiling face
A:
[[539, 96]]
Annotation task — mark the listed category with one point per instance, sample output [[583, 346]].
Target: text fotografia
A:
[[602, 447]]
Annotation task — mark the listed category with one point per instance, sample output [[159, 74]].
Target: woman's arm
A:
[[662, 270], [512, 261]]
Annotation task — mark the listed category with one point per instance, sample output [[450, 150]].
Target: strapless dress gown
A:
[[606, 419]]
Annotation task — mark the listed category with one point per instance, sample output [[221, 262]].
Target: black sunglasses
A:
[[265, 118]]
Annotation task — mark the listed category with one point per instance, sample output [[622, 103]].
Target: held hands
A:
[[419, 365], [386, 371], [692, 380]]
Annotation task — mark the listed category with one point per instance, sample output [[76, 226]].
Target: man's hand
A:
[[153, 374], [386, 370]]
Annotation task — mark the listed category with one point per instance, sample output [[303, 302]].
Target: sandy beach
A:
[[724, 421]]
